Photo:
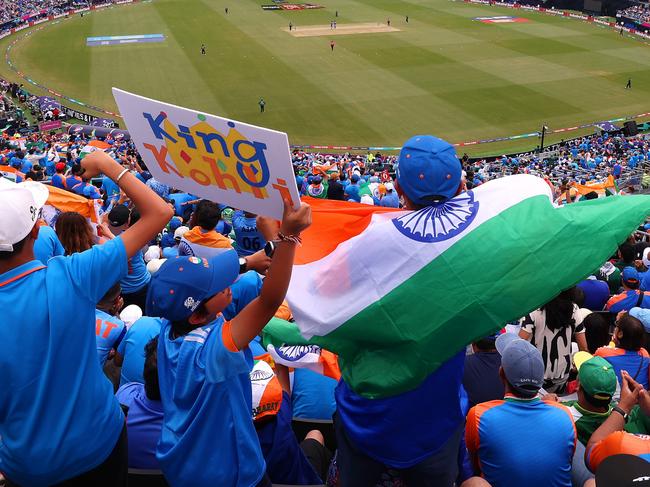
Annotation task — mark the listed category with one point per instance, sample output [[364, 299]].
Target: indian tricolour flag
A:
[[396, 293], [92, 146]]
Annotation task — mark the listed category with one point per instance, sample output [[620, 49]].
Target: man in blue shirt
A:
[[631, 296], [109, 330], [134, 284], [481, 377], [248, 239], [417, 432], [130, 352], [58, 417], [390, 199], [521, 440], [47, 245], [352, 189], [145, 417]]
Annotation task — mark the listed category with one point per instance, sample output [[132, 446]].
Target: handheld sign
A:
[[226, 161]]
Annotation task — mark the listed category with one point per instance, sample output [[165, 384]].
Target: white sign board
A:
[[226, 161]]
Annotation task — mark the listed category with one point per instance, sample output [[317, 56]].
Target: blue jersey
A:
[[137, 277], [503, 437], [47, 245], [312, 395], [352, 192], [179, 199], [143, 424], [206, 395], [596, 294], [110, 187], [401, 431], [59, 181], [285, 461], [246, 288], [109, 332], [249, 240], [131, 348], [58, 415]]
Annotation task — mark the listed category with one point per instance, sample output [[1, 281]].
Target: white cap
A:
[[20, 208], [154, 265], [152, 253], [130, 315], [389, 186], [180, 231], [366, 199], [646, 257]]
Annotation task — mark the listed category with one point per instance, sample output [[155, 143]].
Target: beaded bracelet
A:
[[290, 238]]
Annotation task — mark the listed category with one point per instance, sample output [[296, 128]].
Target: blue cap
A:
[[522, 363], [354, 178], [174, 223], [630, 275], [643, 315], [316, 180], [428, 170], [183, 283]]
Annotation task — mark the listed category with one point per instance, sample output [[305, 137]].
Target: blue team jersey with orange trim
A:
[[636, 363], [627, 300], [619, 442], [207, 437], [522, 442]]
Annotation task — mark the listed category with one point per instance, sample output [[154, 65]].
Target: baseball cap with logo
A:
[[522, 363], [596, 375], [428, 170], [180, 231], [630, 275], [183, 283], [118, 216], [21, 205]]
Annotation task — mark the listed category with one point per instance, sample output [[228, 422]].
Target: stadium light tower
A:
[[541, 144]]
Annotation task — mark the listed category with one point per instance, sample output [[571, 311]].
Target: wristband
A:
[[119, 176], [290, 238], [621, 412]]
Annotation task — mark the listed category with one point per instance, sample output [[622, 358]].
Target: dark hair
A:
[[207, 214], [578, 296], [150, 372], [596, 331], [110, 296], [74, 232], [627, 252], [183, 327], [18, 247], [523, 393], [559, 311], [485, 344], [633, 333], [592, 195]]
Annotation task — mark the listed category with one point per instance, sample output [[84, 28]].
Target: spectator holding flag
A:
[[204, 374]]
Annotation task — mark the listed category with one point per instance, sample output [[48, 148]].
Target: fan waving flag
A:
[[396, 293]]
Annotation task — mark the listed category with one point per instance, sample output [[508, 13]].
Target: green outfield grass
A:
[[443, 73]]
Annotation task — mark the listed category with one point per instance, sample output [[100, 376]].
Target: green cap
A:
[[597, 378]]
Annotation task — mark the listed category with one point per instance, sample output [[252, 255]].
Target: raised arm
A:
[[250, 321], [154, 212]]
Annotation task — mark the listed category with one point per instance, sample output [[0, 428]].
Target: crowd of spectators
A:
[[11, 10], [142, 348], [639, 13]]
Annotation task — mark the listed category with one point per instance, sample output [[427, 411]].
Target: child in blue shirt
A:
[[204, 374]]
